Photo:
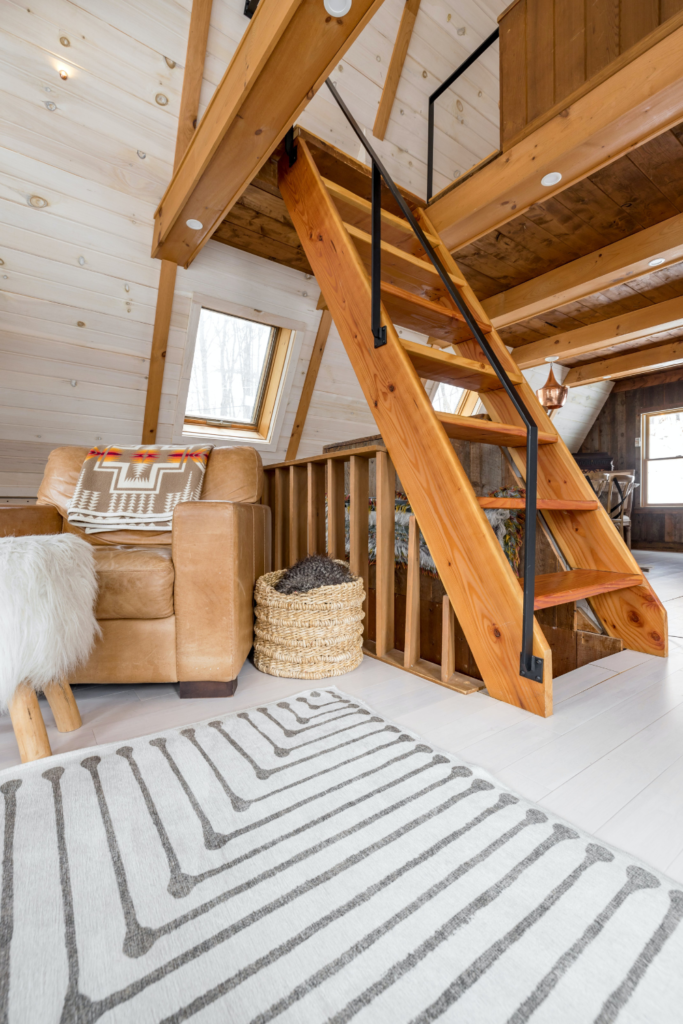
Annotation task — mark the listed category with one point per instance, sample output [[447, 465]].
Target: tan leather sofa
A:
[[173, 607]]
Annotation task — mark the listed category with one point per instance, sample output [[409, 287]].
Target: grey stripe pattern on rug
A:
[[311, 862]]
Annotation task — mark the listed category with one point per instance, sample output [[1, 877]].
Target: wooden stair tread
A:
[[358, 211], [554, 504], [448, 368], [555, 588], [467, 428], [407, 309], [402, 269]]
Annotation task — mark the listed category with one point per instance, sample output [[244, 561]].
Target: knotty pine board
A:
[[82, 158]]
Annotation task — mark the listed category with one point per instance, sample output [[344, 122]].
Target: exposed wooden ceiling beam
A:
[[638, 102], [648, 380], [405, 31], [640, 323], [621, 261], [193, 75], [287, 51], [625, 365]]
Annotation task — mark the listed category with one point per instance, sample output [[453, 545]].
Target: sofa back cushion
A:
[[233, 474]]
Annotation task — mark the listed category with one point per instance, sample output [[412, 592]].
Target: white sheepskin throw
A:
[[48, 589]]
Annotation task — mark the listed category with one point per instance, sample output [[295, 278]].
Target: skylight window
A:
[[232, 364]]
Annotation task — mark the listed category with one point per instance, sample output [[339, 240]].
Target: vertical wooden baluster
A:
[[281, 519], [298, 519], [358, 526], [447, 640], [316, 508], [336, 532], [412, 645], [384, 541]]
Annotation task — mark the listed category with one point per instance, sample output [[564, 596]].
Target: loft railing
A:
[[531, 667], [434, 97]]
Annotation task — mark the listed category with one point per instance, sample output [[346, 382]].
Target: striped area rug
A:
[[311, 862]]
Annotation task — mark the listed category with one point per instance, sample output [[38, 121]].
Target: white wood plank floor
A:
[[610, 759]]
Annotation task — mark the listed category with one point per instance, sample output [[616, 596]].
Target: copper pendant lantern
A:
[[552, 395]]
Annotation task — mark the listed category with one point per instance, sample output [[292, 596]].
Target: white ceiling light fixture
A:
[[337, 8], [657, 263], [196, 225], [554, 178]]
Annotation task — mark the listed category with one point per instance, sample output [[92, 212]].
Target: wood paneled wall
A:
[[549, 49], [615, 431]]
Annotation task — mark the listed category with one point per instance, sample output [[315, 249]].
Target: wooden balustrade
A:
[[307, 500]]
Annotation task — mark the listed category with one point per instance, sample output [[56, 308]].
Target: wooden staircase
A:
[[333, 225]]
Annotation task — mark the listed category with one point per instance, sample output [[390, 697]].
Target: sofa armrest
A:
[[27, 520], [220, 548]]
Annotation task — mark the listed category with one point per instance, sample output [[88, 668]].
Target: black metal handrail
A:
[[531, 667], [435, 95]]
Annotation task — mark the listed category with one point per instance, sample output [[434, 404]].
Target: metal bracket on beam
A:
[[250, 8], [533, 669], [290, 148]]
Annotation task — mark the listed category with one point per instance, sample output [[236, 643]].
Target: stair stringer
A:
[[483, 590], [588, 540]]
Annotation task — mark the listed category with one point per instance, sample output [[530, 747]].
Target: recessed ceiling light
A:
[[554, 178], [657, 263], [63, 74], [196, 225], [337, 8]]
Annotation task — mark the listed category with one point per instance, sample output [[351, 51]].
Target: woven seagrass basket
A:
[[308, 636]]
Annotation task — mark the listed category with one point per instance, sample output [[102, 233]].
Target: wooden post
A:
[[316, 508], [384, 541], [309, 384], [187, 122], [63, 705], [447, 640], [298, 519], [358, 526], [411, 653], [336, 526], [281, 519], [405, 31], [28, 725]]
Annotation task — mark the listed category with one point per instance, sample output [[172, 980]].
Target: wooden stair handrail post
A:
[[411, 650], [336, 526], [298, 514], [316, 508], [358, 526], [384, 545]]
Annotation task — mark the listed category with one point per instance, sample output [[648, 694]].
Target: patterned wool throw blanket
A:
[[309, 862], [136, 488]]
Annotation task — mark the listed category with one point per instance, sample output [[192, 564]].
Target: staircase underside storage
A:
[[485, 594]]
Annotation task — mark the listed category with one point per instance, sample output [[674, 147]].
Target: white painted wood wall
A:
[[77, 284]]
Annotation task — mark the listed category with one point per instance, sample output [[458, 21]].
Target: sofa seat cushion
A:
[[135, 582]]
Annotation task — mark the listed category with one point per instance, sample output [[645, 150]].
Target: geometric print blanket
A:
[[136, 488], [309, 862]]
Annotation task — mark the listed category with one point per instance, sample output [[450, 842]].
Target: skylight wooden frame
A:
[[264, 434]]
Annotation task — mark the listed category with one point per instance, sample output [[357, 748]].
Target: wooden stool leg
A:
[[64, 708], [28, 725]]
